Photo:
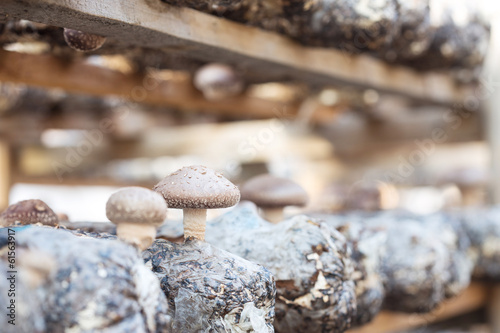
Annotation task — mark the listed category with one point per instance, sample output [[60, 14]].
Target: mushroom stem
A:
[[194, 223], [137, 234], [273, 215]]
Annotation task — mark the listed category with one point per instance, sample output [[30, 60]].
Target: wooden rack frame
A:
[[267, 56], [78, 76], [473, 298]]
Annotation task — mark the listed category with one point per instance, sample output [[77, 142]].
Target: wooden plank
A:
[[493, 134], [5, 174], [492, 113], [80, 77], [74, 181], [473, 298], [267, 55], [494, 310]]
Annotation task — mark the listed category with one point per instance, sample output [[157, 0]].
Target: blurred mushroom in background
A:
[[62, 217], [218, 81], [472, 183], [83, 41], [272, 194], [367, 196]]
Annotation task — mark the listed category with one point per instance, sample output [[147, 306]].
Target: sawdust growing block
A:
[[88, 284], [310, 261]]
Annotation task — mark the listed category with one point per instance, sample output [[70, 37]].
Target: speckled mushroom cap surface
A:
[[271, 191], [136, 205], [198, 187], [82, 41], [28, 212]]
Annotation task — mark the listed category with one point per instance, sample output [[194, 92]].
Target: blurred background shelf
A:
[[263, 56]]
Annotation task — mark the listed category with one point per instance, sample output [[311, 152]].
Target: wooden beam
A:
[[267, 55], [493, 134], [473, 298], [491, 107], [80, 77], [5, 174], [48, 180]]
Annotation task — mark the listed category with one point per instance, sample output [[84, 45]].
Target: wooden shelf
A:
[[473, 298], [264, 55], [48, 71]]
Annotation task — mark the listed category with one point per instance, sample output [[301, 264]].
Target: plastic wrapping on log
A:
[[211, 290], [426, 260], [483, 228], [98, 227], [310, 261], [368, 246], [95, 285], [172, 230]]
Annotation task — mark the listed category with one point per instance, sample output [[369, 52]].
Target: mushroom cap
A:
[[270, 191], [136, 205], [29, 212], [198, 187], [82, 41], [217, 81]]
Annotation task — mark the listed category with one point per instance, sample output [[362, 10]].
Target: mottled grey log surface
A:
[[368, 246], [311, 263], [94, 285], [27, 316], [426, 259], [261, 55], [211, 290], [483, 228]]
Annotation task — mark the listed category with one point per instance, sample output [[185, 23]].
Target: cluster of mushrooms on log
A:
[[251, 269]]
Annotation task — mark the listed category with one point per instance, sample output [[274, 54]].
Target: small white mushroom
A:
[[137, 212], [272, 194], [218, 81], [83, 41], [196, 189]]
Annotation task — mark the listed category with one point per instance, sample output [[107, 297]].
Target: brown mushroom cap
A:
[[198, 187], [136, 205], [270, 191], [29, 212], [82, 41]]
